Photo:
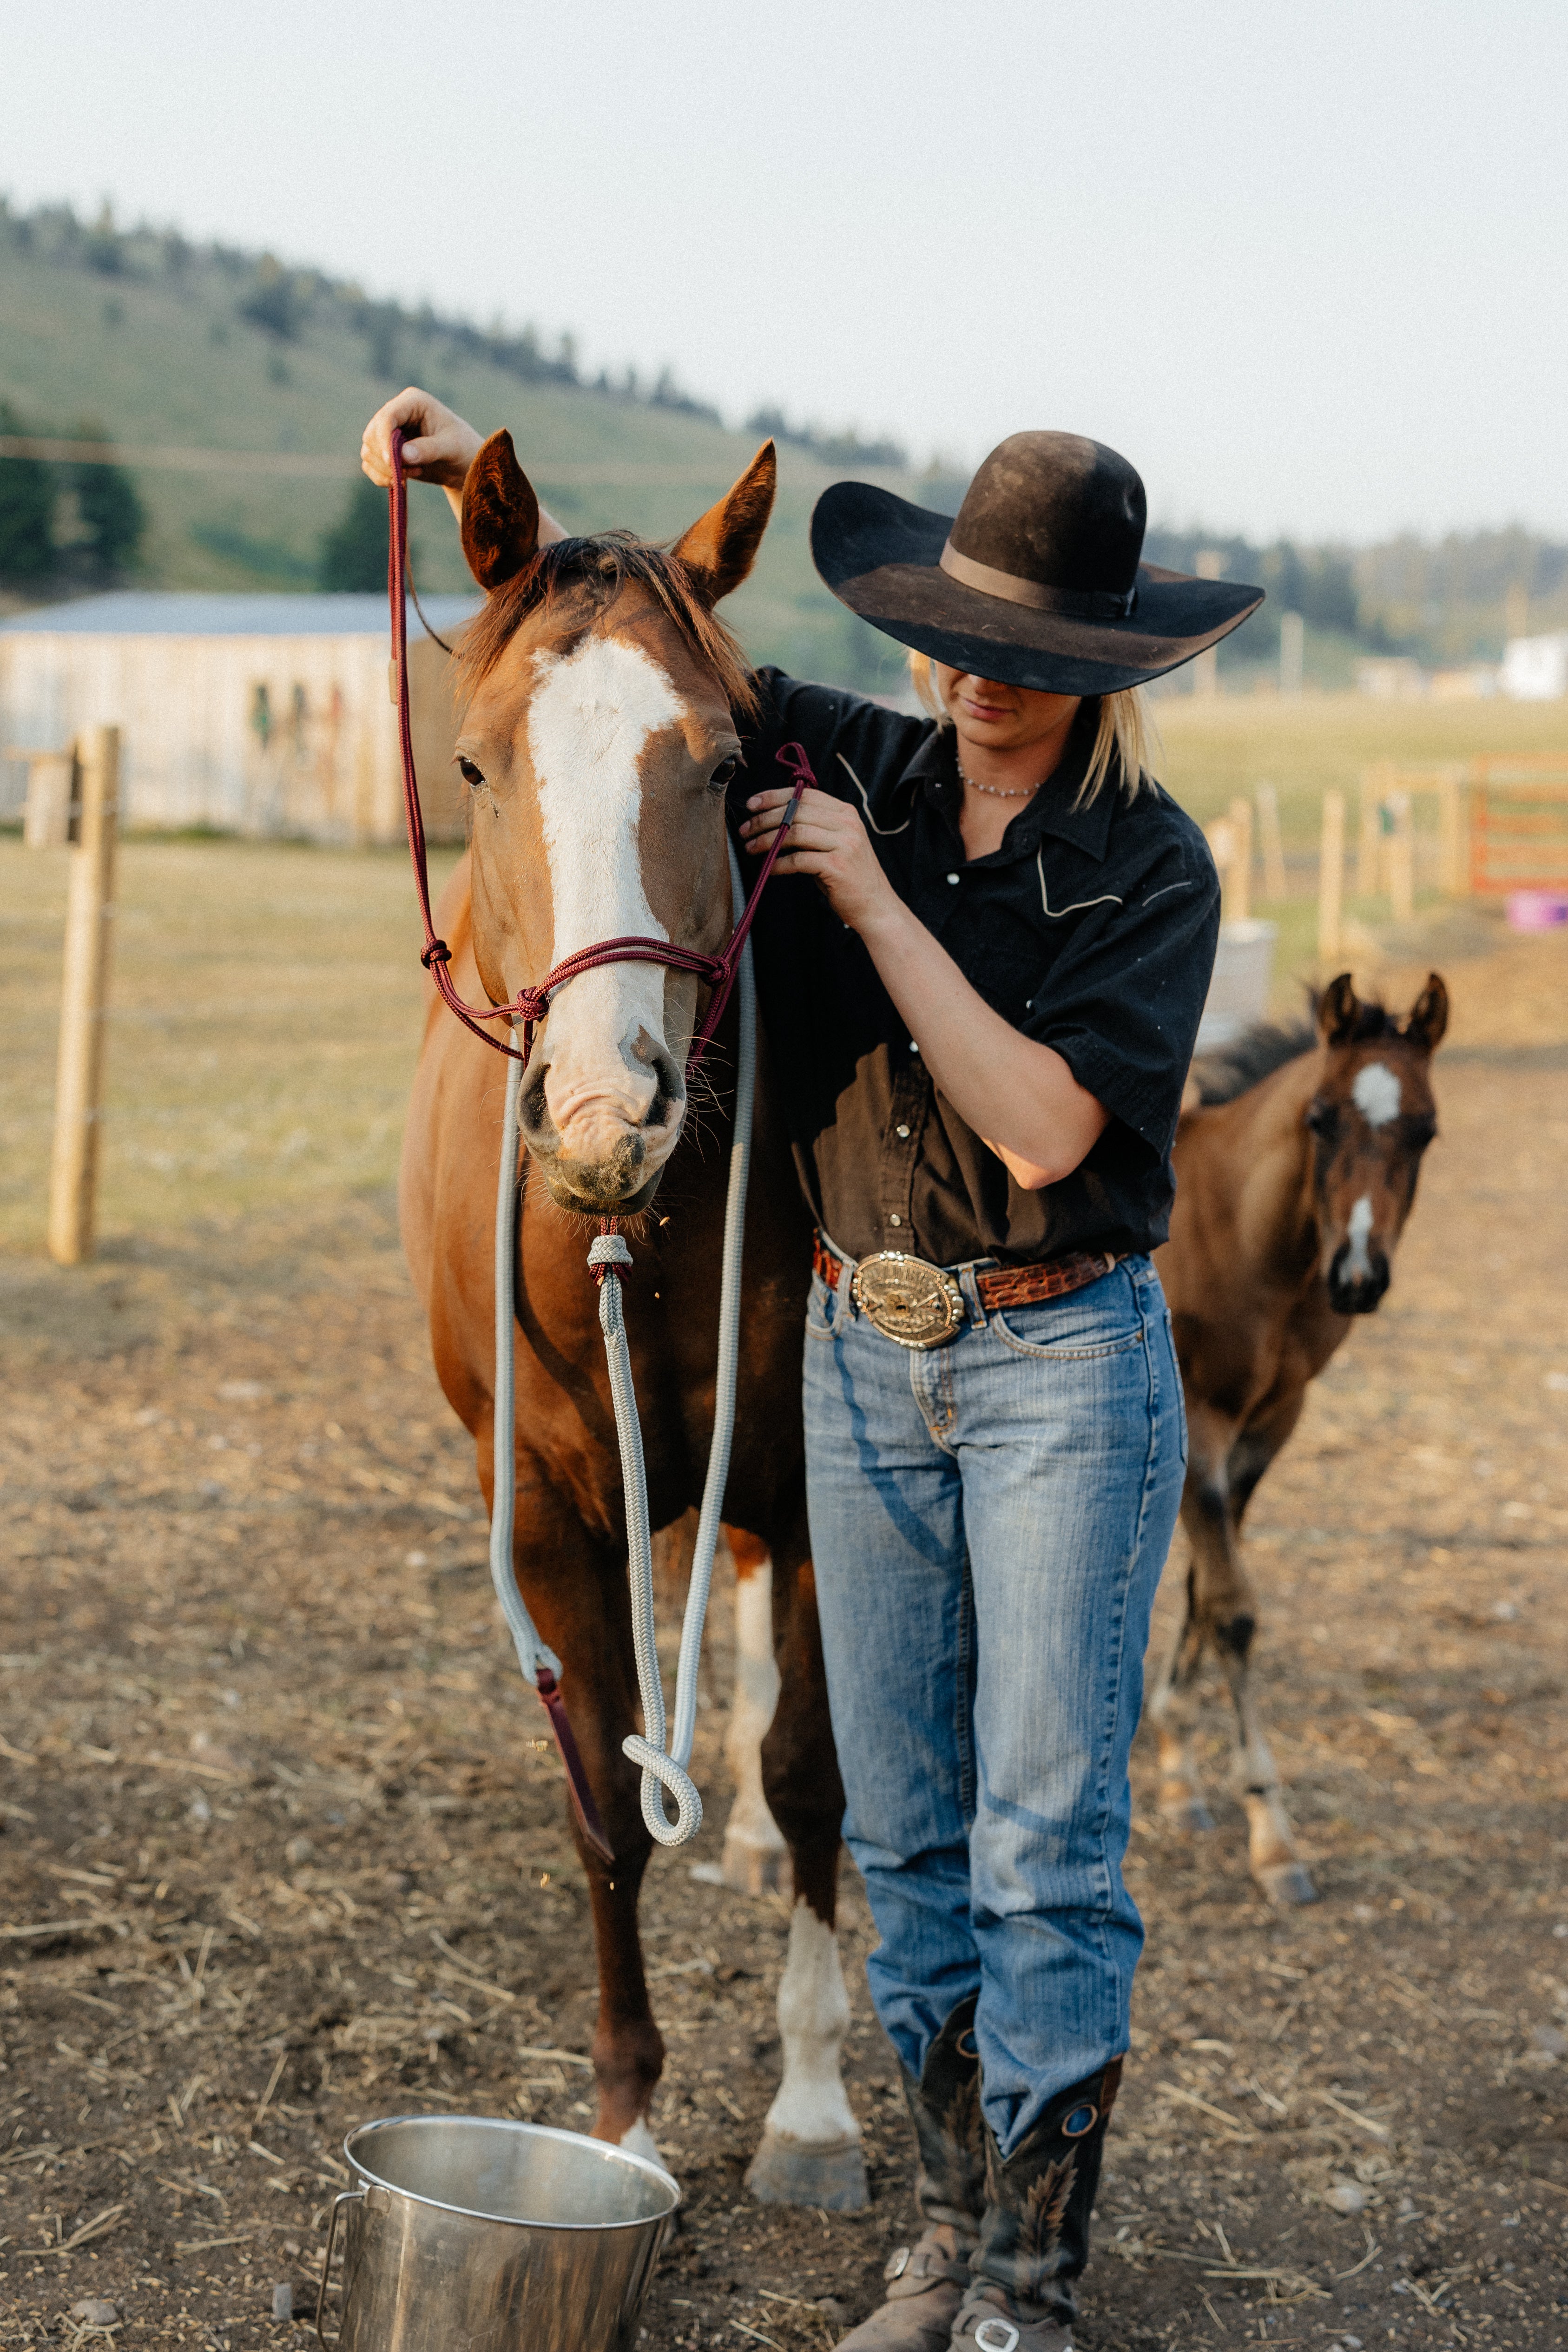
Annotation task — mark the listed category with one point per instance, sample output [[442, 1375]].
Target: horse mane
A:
[[1230, 1070], [602, 566], [1233, 1069]]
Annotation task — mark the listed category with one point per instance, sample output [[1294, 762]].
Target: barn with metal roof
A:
[[249, 714]]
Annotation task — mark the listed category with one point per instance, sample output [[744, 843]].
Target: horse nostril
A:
[[670, 1094]]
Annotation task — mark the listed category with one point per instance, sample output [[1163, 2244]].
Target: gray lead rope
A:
[[663, 1759]]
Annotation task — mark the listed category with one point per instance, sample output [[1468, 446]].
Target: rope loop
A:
[[660, 1770]]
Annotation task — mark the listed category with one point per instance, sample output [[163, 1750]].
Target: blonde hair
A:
[[1126, 737]]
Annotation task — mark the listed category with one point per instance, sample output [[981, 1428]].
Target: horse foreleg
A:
[[755, 1857], [579, 1604], [810, 2149], [1173, 1712]]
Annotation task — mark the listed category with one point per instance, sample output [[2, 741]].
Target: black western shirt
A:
[[1091, 929]]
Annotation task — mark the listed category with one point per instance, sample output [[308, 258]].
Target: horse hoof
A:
[[1287, 1884], [1187, 1815], [801, 2172], [753, 1868]]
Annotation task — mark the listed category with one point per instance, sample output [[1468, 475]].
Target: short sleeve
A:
[[1124, 996], [857, 748]]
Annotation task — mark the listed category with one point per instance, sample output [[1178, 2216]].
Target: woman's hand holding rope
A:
[[828, 842]]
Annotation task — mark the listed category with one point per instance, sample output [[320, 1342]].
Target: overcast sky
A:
[[1304, 265]]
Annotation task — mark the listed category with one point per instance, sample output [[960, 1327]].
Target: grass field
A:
[[266, 1012], [264, 1000]]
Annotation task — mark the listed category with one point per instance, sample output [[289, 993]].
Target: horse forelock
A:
[[586, 576]]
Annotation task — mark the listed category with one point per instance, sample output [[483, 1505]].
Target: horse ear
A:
[[1429, 1014], [500, 514], [1338, 1011], [720, 548]]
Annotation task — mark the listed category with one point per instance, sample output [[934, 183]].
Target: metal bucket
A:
[[468, 2233]]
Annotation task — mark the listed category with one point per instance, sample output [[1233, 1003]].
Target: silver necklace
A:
[[998, 791]]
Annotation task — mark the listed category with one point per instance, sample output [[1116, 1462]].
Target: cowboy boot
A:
[[1033, 2239], [926, 2281]]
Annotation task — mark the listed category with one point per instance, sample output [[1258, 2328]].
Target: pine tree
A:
[[27, 493], [353, 552]]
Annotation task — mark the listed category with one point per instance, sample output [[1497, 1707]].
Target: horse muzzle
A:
[[601, 1162], [1354, 1290]]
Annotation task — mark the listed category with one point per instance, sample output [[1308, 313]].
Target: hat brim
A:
[[880, 555]]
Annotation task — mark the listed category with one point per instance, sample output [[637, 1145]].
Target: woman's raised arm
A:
[[443, 448]]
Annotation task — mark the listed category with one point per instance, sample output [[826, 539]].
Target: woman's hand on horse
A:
[[828, 842], [442, 449]]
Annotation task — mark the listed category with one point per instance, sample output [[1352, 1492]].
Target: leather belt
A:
[[922, 1306]]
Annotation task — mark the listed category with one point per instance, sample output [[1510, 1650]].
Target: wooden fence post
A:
[[1369, 847], [1453, 864], [1241, 861], [1331, 879], [1401, 859], [1271, 841], [73, 1179]]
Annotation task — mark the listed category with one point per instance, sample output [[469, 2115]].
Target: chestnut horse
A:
[[1295, 1174], [596, 743]]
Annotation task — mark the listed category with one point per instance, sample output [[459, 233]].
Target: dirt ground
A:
[[283, 1851]]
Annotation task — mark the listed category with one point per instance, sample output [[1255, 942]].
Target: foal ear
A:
[[1338, 1011], [1429, 1014], [720, 548], [500, 514]]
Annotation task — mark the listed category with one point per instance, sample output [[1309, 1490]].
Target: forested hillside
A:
[[154, 343]]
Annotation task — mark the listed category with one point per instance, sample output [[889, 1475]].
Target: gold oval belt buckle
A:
[[908, 1301]]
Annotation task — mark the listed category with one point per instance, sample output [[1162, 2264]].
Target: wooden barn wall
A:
[[275, 735]]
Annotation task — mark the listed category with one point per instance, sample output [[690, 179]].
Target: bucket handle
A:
[[346, 2196]]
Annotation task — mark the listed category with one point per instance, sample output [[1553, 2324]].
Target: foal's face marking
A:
[[1377, 1094], [1371, 1121], [1358, 1266]]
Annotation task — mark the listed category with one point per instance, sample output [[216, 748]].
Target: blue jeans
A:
[[988, 1523]]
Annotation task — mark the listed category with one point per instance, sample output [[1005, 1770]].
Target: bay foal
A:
[[598, 740], [1294, 1177]]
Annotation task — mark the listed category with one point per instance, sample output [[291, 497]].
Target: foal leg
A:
[[1271, 1841], [810, 2149], [1172, 1711], [755, 1860]]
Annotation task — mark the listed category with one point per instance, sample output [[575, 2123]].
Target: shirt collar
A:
[[1053, 810]]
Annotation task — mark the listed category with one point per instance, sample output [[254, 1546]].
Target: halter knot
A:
[[607, 1251], [437, 952]]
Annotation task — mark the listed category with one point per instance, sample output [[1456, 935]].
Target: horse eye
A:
[[723, 775], [469, 774], [1322, 1118]]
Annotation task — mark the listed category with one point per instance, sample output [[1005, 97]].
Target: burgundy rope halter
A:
[[531, 1004]]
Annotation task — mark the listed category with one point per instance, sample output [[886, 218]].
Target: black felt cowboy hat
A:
[[1035, 582]]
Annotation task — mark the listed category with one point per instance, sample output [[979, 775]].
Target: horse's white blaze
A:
[[751, 1826], [590, 715], [1358, 1266], [1376, 1093], [813, 2018], [637, 2140]]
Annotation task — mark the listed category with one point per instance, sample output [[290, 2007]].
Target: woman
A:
[[980, 1022]]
